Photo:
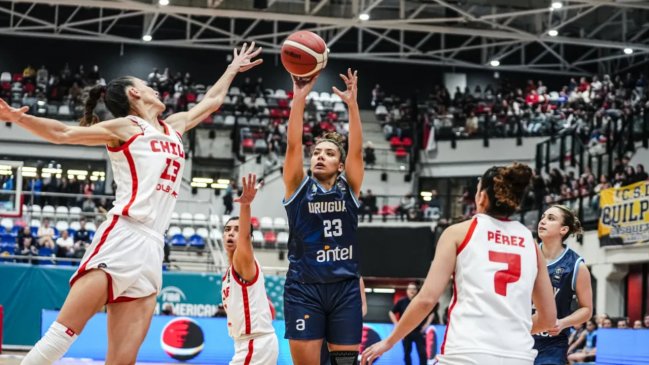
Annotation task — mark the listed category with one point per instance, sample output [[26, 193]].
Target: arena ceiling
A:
[[591, 35]]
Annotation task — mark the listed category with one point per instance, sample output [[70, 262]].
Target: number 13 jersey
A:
[[148, 170], [495, 271], [322, 232]]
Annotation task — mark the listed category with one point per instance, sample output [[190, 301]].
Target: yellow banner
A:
[[624, 215]]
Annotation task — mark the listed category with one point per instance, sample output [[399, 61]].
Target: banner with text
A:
[[624, 215]]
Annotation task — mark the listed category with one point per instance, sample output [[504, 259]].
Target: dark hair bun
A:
[[510, 184]]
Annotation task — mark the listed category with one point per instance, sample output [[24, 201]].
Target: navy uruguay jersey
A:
[[563, 275], [322, 233]]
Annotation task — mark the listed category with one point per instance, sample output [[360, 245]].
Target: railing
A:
[[31, 198]]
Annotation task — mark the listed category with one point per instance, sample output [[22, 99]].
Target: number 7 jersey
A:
[[491, 309], [148, 170]]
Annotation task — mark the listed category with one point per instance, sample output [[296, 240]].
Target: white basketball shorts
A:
[[480, 359], [260, 350], [131, 256]]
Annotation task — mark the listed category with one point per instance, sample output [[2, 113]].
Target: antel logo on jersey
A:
[[172, 294], [329, 254], [182, 339]]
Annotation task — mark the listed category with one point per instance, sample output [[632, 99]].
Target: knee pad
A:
[[344, 357]]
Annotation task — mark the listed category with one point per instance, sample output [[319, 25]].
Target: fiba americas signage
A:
[[182, 305]]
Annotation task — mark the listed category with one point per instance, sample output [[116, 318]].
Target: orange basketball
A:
[[304, 54]]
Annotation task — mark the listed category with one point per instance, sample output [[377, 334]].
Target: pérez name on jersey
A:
[[501, 239]]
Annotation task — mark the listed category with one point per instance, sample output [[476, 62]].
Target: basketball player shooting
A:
[[147, 158], [322, 298], [497, 271], [243, 289]]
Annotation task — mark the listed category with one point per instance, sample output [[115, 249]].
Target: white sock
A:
[[52, 346]]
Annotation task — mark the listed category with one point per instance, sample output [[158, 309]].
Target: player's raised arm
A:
[[293, 164], [244, 258], [105, 133], [241, 62], [354, 167]]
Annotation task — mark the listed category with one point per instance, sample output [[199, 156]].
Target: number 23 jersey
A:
[[322, 245], [491, 309]]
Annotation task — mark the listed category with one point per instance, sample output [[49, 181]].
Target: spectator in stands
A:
[[228, 198], [29, 74], [65, 245], [637, 324], [94, 77], [46, 235], [24, 234], [622, 323], [370, 157], [641, 174], [89, 205], [407, 204], [590, 349], [29, 247], [607, 323], [81, 239], [42, 76], [417, 335], [248, 88], [377, 95], [575, 340], [369, 206]]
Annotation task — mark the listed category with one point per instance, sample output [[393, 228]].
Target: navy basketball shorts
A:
[[324, 311], [552, 355]]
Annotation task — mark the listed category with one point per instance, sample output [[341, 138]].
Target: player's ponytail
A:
[[115, 97], [89, 117], [570, 220], [505, 186]]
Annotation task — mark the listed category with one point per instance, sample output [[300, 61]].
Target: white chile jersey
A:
[[491, 309], [246, 305], [148, 171]]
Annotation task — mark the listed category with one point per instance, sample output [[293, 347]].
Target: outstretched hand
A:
[[351, 81], [9, 114], [373, 352], [303, 86], [249, 190], [243, 59]]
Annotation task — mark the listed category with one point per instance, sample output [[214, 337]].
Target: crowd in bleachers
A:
[[586, 106], [84, 189], [257, 114]]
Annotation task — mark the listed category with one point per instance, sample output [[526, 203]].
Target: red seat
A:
[[282, 103], [395, 142], [270, 238], [401, 152], [387, 210], [406, 141], [275, 113], [248, 144], [255, 223]]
